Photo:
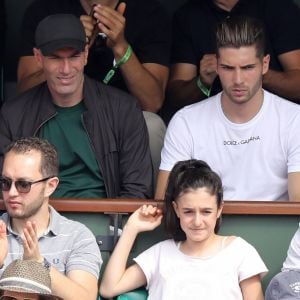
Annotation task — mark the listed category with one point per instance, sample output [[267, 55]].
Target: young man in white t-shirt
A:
[[246, 134]]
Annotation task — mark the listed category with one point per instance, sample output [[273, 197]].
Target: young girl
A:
[[196, 263]]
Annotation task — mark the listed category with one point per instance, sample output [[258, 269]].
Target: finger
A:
[[25, 247], [88, 29], [152, 210], [109, 17], [157, 221], [144, 209], [30, 232], [121, 8], [2, 227], [27, 238], [30, 228], [34, 227]]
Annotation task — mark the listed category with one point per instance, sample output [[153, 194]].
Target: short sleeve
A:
[[251, 263], [178, 143], [85, 254], [292, 262], [148, 261], [293, 142]]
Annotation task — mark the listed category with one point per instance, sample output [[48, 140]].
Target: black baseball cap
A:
[[60, 31]]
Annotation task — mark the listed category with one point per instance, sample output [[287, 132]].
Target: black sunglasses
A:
[[22, 186]]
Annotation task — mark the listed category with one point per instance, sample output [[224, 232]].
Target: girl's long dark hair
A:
[[186, 176]]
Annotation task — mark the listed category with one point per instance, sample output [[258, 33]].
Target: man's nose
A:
[[237, 76], [13, 190], [65, 65]]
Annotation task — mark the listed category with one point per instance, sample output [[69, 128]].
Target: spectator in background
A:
[[32, 230], [111, 27], [193, 71], [249, 136], [99, 131]]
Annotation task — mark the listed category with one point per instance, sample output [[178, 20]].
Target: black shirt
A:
[[195, 24], [147, 30]]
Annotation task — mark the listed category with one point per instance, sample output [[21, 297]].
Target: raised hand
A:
[[208, 69], [3, 242], [30, 242], [146, 218], [112, 23]]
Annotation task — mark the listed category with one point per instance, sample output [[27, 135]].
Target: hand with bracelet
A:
[[3, 243], [207, 73]]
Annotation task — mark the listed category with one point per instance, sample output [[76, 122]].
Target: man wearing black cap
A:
[[99, 131], [114, 27]]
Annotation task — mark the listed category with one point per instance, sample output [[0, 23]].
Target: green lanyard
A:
[[122, 61]]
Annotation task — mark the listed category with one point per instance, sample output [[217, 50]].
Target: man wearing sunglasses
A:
[[99, 131], [32, 230]]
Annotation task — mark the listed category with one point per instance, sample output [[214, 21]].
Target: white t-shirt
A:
[[173, 275], [292, 262], [253, 159]]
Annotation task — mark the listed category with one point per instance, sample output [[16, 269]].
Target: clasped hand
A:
[[109, 21]]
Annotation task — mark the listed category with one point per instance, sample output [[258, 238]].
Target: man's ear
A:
[[266, 61], [38, 56], [51, 186]]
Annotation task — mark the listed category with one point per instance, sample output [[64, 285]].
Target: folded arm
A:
[[182, 87], [285, 83]]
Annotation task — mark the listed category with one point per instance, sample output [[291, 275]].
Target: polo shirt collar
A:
[[53, 227]]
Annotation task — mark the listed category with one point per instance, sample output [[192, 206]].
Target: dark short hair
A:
[[49, 157], [187, 176], [241, 31]]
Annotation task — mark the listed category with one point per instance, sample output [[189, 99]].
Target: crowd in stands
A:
[[99, 81]]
